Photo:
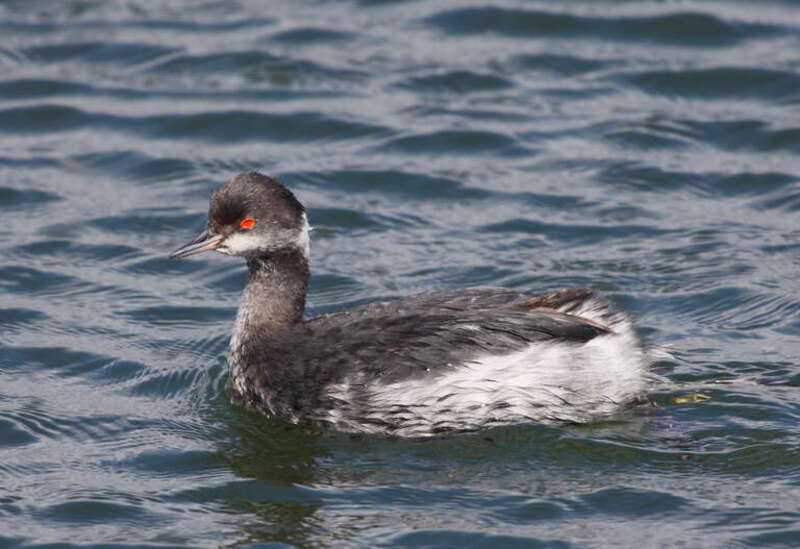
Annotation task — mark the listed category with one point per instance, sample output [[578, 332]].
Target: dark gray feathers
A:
[[391, 341]]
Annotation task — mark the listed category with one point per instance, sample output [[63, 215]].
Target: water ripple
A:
[[14, 198], [724, 82], [311, 35], [455, 142], [563, 65], [96, 52], [257, 67], [456, 82], [683, 29], [238, 125]]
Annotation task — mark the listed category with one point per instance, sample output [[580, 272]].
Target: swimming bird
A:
[[434, 363]]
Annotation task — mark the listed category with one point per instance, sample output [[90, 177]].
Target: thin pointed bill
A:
[[205, 241]]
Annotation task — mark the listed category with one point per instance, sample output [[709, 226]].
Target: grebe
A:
[[448, 361]]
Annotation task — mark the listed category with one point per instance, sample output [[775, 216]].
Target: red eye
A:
[[247, 223]]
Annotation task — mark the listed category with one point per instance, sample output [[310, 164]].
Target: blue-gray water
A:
[[648, 149]]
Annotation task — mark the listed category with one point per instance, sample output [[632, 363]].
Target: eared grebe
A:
[[434, 363]]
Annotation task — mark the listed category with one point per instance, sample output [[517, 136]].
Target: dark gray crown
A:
[[252, 194]]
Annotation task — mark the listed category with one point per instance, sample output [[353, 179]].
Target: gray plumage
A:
[[427, 364]]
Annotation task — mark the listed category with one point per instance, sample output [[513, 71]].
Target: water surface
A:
[[647, 149]]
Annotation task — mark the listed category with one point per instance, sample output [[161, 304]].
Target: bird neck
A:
[[275, 295]]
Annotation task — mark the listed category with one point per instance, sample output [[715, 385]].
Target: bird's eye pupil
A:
[[247, 223]]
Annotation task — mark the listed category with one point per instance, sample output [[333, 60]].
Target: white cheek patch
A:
[[241, 244], [251, 243]]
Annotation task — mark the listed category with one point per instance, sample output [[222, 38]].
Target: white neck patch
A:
[[304, 238]]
